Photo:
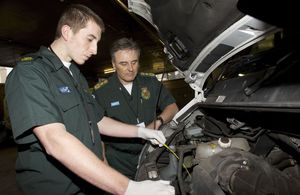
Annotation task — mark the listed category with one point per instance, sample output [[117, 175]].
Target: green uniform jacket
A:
[[140, 106], [39, 91]]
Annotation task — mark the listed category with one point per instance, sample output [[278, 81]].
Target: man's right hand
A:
[[149, 187]]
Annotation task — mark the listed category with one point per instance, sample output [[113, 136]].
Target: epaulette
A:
[[147, 74], [101, 83], [29, 58], [26, 59]]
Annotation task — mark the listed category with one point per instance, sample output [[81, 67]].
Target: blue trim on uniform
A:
[[113, 104]]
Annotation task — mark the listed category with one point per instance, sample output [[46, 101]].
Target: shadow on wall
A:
[[181, 91]]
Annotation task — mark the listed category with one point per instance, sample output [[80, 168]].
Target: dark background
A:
[[27, 24]]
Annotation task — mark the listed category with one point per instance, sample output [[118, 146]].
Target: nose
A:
[[94, 48], [130, 67]]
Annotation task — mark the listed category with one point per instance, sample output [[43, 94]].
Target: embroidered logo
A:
[[64, 89], [145, 93], [113, 104]]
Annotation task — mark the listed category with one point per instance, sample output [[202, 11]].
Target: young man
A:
[[131, 98], [56, 123]]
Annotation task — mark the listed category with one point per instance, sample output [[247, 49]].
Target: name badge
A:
[[64, 89], [113, 104]]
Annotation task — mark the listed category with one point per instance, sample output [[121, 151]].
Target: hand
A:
[[154, 136], [149, 187]]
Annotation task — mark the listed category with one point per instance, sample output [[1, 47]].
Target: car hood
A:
[[245, 74], [199, 35]]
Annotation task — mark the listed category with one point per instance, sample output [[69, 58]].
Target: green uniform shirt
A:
[[140, 106], [39, 91]]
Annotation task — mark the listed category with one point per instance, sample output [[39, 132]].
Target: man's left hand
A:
[[154, 136]]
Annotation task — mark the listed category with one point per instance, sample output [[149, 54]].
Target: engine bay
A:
[[221, 151]]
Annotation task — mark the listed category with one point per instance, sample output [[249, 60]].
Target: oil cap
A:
[[224, 142]]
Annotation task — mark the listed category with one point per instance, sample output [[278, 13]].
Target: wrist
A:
[[159, 118], [130, 188], [142, 132]]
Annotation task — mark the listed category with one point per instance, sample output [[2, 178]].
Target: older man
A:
[[132, 98]]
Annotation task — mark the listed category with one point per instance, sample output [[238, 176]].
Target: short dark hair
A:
[[77, 16], [124, 44]]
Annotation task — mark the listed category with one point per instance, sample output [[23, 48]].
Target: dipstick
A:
[[168, 148]]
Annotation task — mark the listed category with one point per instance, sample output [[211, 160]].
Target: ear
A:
[[66, 32], [113, 64]]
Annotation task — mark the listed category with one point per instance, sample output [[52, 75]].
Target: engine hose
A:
[[277, 159], [153, 158], [286, 139], [285, 164], [181, 152], [160, 150]]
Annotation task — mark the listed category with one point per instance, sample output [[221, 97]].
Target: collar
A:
[[49, 56], [115, 82], [114, 78]]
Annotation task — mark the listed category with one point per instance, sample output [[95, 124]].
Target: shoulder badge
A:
[[148, 74], [26, 59], [101, 83]]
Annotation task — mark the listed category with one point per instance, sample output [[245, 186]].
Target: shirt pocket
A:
[[67, 101]]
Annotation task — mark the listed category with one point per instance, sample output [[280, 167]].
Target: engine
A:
[[225, 155]]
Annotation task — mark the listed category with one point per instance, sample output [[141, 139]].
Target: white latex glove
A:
[[156, 137], [149, 187]]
